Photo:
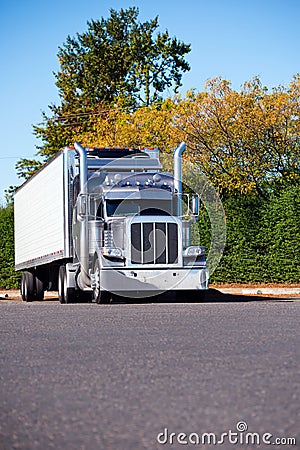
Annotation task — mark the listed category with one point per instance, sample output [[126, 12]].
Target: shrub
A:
[[8, 277], [263, 238]]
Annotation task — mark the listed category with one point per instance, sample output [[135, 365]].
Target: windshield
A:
[[141, 208]]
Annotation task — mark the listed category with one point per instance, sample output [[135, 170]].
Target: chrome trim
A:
[[178, 174], [83, 278]]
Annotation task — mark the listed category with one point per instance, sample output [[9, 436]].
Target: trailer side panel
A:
[[40, 217]]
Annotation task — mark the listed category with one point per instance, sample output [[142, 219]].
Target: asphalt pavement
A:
[[128, 375]]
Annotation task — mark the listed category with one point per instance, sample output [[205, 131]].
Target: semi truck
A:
[[94, 223]]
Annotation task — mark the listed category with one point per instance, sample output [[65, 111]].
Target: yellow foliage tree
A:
[[146, 127], [243, 140]]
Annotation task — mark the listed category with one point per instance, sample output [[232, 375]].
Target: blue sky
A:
[[231, 38]]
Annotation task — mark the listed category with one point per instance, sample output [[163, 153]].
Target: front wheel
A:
[[65, 294], [100, 296]]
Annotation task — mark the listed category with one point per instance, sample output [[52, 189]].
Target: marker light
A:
[[194, 251], [112, 252]]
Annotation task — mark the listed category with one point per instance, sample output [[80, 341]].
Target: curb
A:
[[238, 291], [259, 291]]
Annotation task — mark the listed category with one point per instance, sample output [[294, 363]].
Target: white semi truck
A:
[[103, 221]]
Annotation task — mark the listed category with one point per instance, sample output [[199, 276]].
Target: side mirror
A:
[[195, 205], [82, 207]]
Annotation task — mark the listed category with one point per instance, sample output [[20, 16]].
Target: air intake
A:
[[154, 243]]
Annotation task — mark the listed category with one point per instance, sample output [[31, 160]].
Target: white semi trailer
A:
[[93, 222]]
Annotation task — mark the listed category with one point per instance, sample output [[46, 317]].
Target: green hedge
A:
[[8, 277], [263, 239]]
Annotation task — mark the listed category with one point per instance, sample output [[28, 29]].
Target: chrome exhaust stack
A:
[[178, 174], [83, 277]]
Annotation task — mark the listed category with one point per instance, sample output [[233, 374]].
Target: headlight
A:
[[194, 251], [112, 252]]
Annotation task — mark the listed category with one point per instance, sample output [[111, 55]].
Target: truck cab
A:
[[139, 241]]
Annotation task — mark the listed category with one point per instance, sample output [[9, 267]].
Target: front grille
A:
[[154, 243]]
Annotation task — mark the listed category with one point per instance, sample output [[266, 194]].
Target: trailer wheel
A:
[[39, 288], [100, 296], [61, 279], [27, 287]]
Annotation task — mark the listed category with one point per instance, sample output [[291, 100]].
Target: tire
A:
[[65, 294], [61, 280], [39, 288], [69, 293], [27, 287], [101, 297]]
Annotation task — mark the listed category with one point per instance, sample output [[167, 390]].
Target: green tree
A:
[[119, 57], [118, 62], [27, 167], [10, 194]]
